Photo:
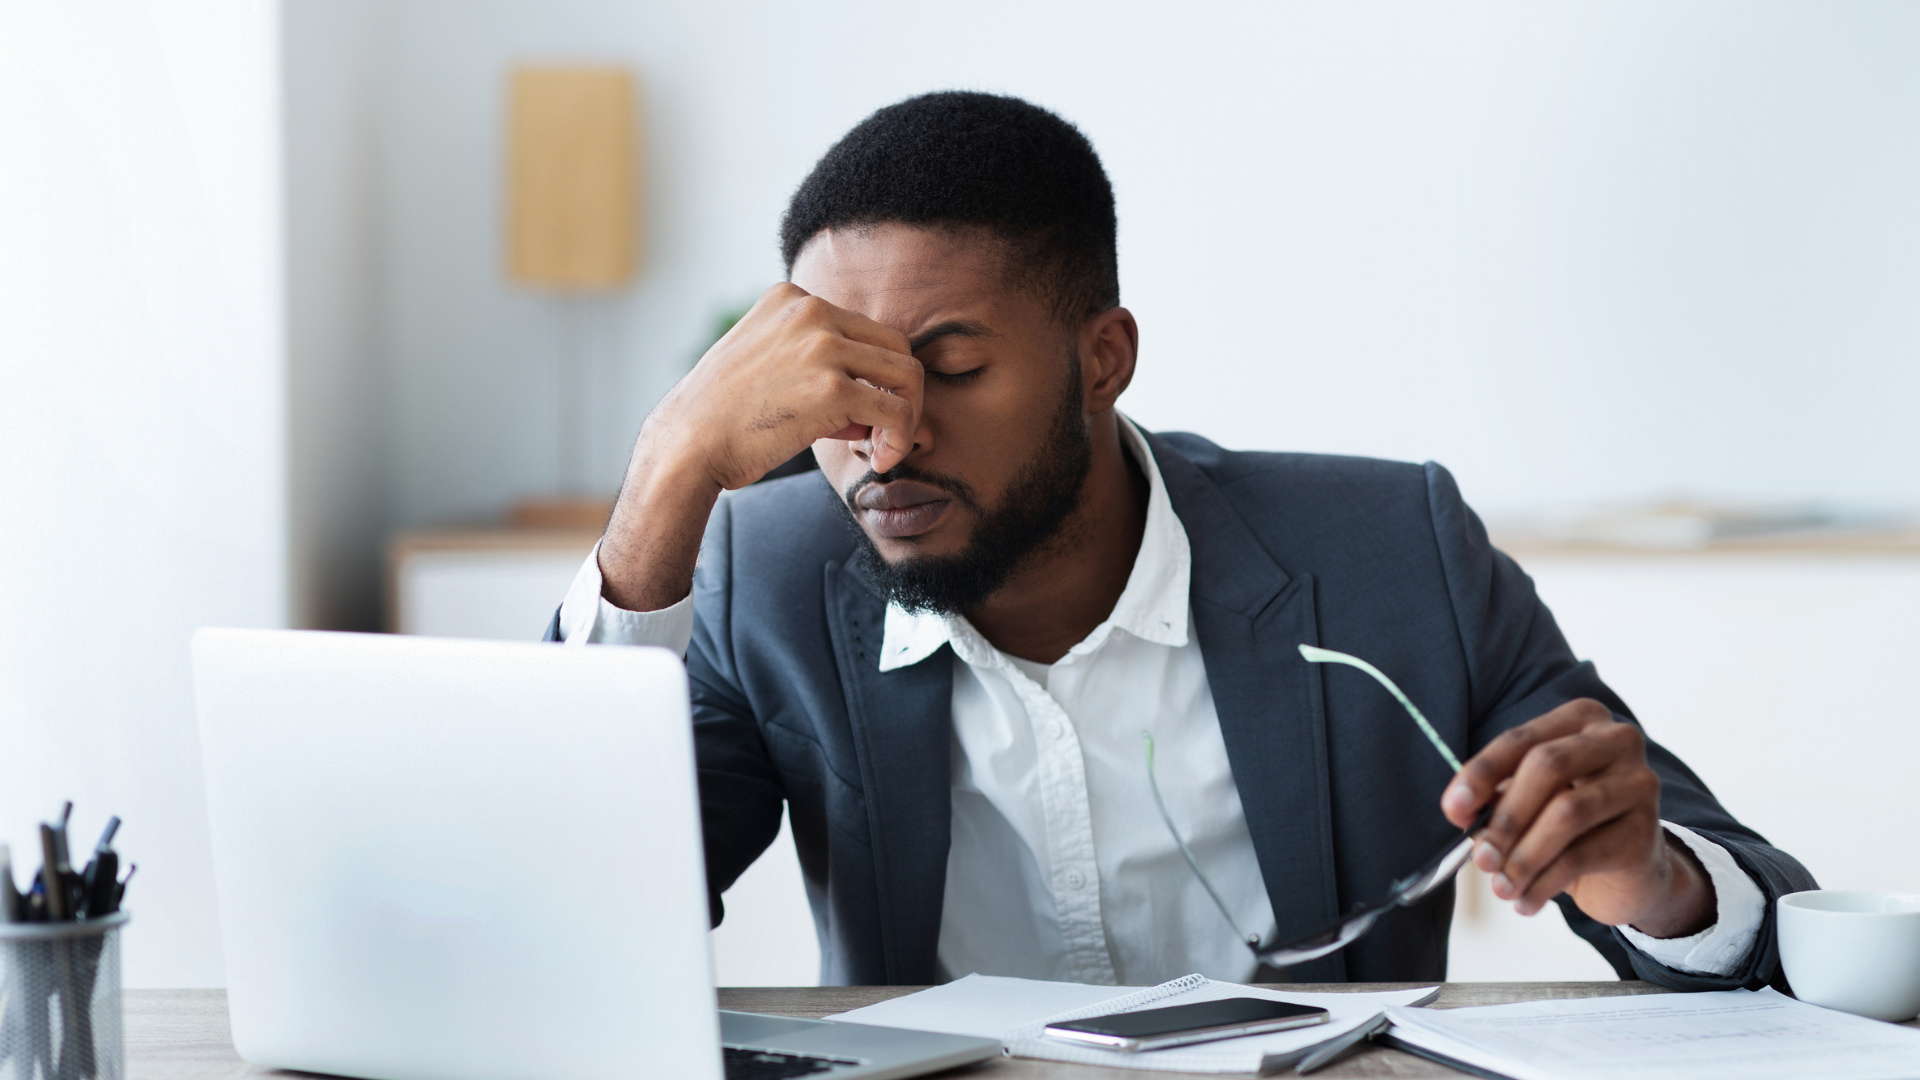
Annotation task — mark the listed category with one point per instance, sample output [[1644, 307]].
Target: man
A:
[[941, 650]]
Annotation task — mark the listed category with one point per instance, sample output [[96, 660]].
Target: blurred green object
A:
[[721, 324]]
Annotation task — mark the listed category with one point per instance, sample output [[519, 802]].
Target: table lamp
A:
[[573, 225]]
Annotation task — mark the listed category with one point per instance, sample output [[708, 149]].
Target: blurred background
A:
[[1644, 275]]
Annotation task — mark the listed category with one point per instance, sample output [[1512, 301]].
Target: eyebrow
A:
[[951, 328]]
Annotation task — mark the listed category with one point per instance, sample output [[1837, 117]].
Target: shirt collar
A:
[[1153, 606]]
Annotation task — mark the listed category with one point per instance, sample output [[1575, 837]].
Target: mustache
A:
[[961, 491]]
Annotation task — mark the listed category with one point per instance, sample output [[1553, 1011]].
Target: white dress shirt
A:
[[1060, 867]]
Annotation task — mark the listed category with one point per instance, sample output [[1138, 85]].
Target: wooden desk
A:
[[182, 1034]]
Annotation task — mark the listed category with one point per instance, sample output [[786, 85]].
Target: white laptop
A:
[[479, 860]]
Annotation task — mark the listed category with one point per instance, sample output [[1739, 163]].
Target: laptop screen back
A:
[[442, 859]]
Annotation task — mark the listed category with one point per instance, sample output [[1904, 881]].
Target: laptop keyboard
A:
[[745, 1064]]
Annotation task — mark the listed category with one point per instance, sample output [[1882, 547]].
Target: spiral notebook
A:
[[1015, 1010]]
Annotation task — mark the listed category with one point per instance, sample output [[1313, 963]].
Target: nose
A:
[[922, 439]]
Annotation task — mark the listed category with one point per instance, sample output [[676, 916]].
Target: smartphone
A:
[[1178, 1025]]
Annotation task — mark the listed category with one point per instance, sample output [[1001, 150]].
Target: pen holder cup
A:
[[60, 1016]]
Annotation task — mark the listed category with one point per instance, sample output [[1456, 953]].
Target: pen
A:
[[120, 894], [12, 909], [106, 835], [72, 890], [102, 884], [53, 876], [60, 836]]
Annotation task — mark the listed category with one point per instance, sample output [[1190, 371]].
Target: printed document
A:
[[1752, 1035], [1015, 1010]]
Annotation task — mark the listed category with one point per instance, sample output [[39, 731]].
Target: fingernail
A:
[[1502, 888], [1459, 797], [1486, 856]]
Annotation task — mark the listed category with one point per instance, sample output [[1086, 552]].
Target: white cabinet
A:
[[482, 583], [1785, 680]]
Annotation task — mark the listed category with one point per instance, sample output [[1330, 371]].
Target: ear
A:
[[1109, 345]]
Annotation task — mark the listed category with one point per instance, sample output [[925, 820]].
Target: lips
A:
[[902, 508]]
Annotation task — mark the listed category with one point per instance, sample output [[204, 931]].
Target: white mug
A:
[[1857, 951]]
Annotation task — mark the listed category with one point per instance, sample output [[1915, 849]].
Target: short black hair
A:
[[960, 159]]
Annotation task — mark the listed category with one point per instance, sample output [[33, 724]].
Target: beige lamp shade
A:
[[573, 177]]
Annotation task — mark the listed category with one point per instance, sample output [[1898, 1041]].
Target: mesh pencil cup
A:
[[60, 1013]]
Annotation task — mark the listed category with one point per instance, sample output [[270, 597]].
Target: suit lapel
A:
[[1249, 617], [902, 727]]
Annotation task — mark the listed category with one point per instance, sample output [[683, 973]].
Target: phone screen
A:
[[1177, 1019]]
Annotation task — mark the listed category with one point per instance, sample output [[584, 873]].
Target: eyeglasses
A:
[[1404, 892]]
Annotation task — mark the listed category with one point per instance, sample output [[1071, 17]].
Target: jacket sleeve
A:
[[1520, 666], [741, 796]]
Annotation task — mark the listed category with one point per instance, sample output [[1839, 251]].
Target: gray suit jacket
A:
[[1379, 559]]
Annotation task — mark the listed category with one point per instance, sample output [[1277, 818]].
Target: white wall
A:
[[336, 432], [470, 358], [141, 426], [1574, 251]]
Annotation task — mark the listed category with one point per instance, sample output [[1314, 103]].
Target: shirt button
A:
[[1057, 729], [1075, 879]]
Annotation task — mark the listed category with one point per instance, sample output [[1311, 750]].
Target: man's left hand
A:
[[1579, 813]]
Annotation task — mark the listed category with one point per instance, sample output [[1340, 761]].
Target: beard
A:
[[1043, 495]]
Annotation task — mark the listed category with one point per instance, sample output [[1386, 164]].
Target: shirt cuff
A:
[[1720, 949], [587, 618]]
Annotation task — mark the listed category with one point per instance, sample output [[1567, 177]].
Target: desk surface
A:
[[182, 1034]]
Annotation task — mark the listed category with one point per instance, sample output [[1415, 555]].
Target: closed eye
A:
[[953, 377]]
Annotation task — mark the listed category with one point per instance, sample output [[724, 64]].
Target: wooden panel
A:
[[572, 177]]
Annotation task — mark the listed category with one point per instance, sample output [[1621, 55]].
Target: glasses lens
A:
[[1414, 887], [1315, 946]]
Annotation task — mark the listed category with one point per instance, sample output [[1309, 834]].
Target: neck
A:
[[1070, 586]]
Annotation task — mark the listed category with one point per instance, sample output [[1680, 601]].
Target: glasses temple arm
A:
[[1316, 655], [1167, 819]]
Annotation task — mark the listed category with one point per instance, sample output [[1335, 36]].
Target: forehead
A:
[[907, 276]]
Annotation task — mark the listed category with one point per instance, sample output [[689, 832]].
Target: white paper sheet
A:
[[1015, 1010], [1752, 1035], [983, 1006]]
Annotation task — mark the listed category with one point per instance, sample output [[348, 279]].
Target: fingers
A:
[[793, 370], [1619, 844], [1578, 812], [871, 357], [890, 419], [900, 378], [858, 327], [1483, 773], [877, 366], [886, 358], [1545, 772], [1576, 815]]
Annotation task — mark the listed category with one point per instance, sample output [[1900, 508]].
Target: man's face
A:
[[1001, 449]]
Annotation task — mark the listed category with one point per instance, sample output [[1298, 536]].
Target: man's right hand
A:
[[793, 370]]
